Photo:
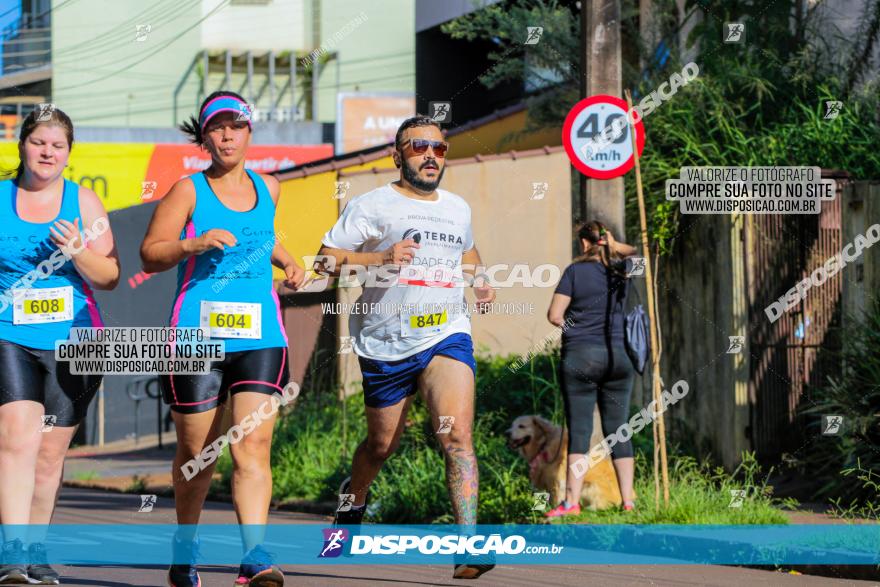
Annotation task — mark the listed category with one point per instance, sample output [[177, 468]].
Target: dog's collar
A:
[[541, 453]]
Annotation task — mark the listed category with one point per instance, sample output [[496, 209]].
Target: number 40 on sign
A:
[[582, 136]]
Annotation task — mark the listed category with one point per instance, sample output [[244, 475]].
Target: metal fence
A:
[[797, 351]]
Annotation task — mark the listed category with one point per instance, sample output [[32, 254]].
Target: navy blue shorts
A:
[[388, 382]]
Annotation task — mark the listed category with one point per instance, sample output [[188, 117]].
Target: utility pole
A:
[[601, 74], [647, 32]]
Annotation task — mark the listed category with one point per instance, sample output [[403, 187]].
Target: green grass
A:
[[138, 484], [85, 476], [412, 485], [698, 494], [865, 508], [309, 457], [841, 465], [313, 445]]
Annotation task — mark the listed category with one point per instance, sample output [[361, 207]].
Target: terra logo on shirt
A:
[[435, 237]]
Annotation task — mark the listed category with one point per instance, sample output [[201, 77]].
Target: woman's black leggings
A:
[[588, 377]]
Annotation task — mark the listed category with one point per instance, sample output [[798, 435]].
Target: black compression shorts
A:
[[33, 374], [260, 370]]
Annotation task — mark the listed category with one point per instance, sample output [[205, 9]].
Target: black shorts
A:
[[260, 370], [35, 375]]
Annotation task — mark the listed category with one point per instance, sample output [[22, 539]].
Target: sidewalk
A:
[[128, 467], [123, 465]]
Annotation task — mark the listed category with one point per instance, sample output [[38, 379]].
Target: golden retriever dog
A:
[[544, 445]]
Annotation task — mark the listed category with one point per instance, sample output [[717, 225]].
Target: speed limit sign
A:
[[590, 153]]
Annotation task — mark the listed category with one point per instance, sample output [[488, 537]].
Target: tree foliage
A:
[[761, 102]]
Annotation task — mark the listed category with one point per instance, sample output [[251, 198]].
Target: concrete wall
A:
[[278, 25], [377, 55], [861, 279], [508, 227], [499, 135], [701, 299], [103, 76]]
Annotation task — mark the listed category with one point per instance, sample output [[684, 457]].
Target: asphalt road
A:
[[83, 506]]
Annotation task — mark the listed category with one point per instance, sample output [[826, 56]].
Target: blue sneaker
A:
[[258, 570], [39, 571], [184, 574], [13, 563]]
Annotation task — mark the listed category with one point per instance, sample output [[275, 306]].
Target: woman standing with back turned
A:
[[590, 300]]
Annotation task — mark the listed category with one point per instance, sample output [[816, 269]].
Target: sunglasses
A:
[[420, 146]]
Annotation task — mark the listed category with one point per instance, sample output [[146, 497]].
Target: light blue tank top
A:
[[230, 291], [52, 295]]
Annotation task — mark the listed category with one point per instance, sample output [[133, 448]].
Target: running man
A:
[[217, 227], [56, 247], [420, 337]]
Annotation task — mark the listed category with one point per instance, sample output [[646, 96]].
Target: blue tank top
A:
[[52, 297], [230, 291]]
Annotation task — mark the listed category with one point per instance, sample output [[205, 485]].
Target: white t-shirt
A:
[[404, 310]]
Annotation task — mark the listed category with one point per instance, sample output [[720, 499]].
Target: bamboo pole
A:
[[656, 456], [659, 423]]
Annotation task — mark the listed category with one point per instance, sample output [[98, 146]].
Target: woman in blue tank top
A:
[[55, 248], [218, 228]]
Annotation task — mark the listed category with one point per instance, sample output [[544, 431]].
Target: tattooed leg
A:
[[462, 478], [448, 387]]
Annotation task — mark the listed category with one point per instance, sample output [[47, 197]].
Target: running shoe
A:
[[471, 566], [258, 570], [39, 572], [561, 510], [628, 506], [184, 574], [352, 517], [13, 563]]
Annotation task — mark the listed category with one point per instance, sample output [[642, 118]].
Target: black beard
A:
[[412, 176]]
